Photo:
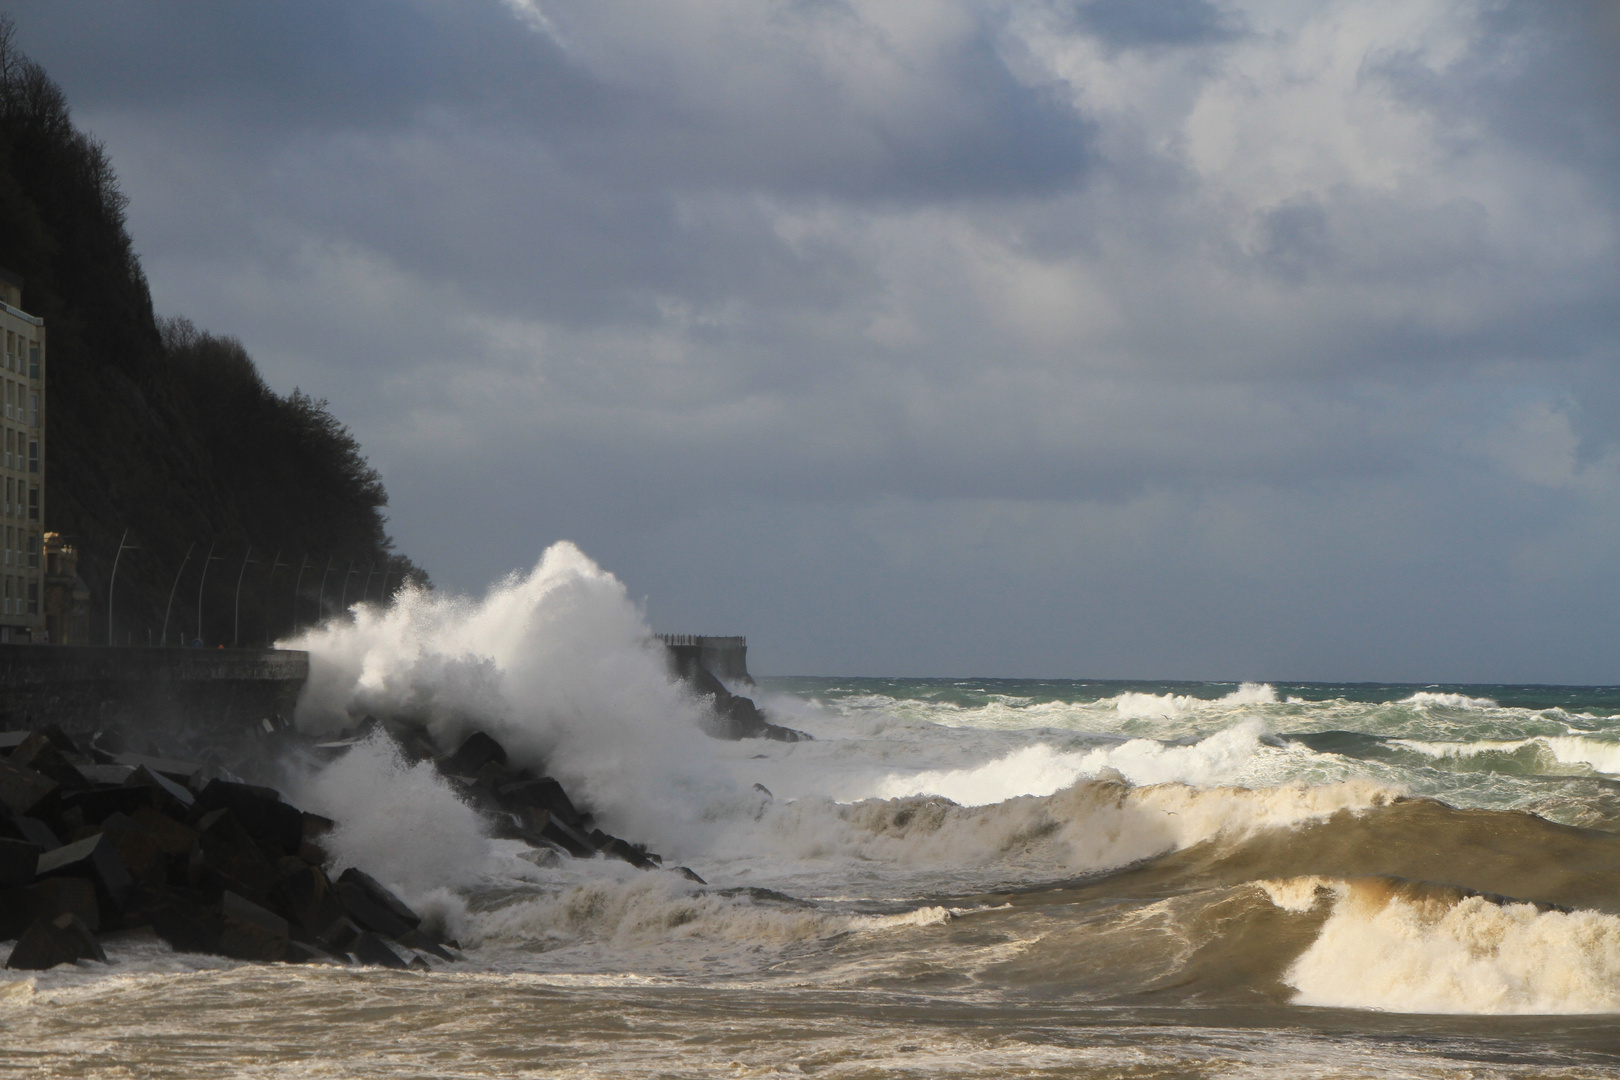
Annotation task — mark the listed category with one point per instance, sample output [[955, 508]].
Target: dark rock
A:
[[307, 899], [250, 932], [339, 936], [97, 860], [419, 941], [23, 790], [369, 949], [477, 751], [141, 850], [543, 794], [10, 740], [765, 791], [620, 849], [734, 716], [173, 837], [187, 925], [18, 859], [46, 900], [227, 857], [179, 771], [399, 916], [49, 942], [95, 804], [688, 874], [39, 753], [556, 831], [170, 795], [105, 775], [32, 830], [278, 827]]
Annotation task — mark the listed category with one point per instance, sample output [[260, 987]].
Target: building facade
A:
[[22, 468]]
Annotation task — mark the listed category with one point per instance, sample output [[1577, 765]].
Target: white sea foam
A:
[[558, 664], [1598, 754], [1447, 701], [1170, 706], [1379, 950], [402, 823], [1042, 770]]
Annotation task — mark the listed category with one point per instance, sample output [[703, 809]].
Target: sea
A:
[[954, 877]]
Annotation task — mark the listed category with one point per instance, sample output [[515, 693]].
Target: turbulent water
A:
[[956, 878]]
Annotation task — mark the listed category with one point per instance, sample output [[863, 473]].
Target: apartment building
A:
[[22, 467]]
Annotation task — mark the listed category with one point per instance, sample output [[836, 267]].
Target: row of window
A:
[[22, 403], [16, 458], [22, 355], [15, 538], [21, 598], [21, 500]]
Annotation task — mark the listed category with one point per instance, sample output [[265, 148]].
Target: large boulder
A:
[[18, 861], [49, 942], [476, 751], [24, 791], [227, 857], [373, 906], [278, 827], [95, 859]]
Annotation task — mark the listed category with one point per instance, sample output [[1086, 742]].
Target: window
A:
[[33, 456], [33, 410], [33, 359], [9, 434], [33, 504], [33, 598], [11, 538], [33, 551]]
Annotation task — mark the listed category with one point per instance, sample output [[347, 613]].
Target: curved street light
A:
[[201, 581], [164, 640], [112, 580]]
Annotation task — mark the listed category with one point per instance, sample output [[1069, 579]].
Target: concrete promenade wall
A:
[[85, 688], [724, 657]]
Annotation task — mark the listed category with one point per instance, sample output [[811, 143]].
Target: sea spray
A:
[[558, 664]]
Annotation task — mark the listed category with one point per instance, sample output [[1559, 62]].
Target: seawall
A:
[[85, 688], [724, 657]]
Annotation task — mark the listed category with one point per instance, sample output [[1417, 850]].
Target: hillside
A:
[[163, 429]]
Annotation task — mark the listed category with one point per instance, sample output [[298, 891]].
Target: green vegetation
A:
[[164, 429]]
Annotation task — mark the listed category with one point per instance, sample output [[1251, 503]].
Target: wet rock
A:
[[18, 859], [105, 775], [373, 906], [306, 897], [173, 769], [23, 791], [556, 831], [688, 874], [227, 857], [251, 932], [95, 859], [95, 804], [39, 753], [311, 850], [47, 943], [172, 836], [542, 794], [477, 751], [421, 942], [734, 716], [48, 899], [621, 849], [370, 949], [339, 936], [168, 795], [278, 827], [138, 847], [32, 830], [186, 924]]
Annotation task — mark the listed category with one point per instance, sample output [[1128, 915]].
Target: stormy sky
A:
[[1087, 338]]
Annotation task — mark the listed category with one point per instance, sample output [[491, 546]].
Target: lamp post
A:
[[344, 603], [112, 579], [297, 584], [201, 581], [320, 597], [164, 640], [275, 564], [365, 595], [236, 627]]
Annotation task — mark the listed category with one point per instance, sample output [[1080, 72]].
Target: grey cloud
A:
[[1126, 24]]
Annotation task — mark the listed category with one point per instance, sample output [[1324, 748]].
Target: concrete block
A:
[[474, 753], [227, 857], [95, 804], [170, 795], [371, 950], [48, 899], [18, 860], [140, 849], [359, 905], [23, 791], [97, 860], [251, 932], [170, 768], [30, 829], [278, 827], [49, 942], [39, 753], [172, 836], [544, 794], [378, 893]]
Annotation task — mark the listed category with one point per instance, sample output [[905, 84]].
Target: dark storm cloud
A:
[[1230, 319]]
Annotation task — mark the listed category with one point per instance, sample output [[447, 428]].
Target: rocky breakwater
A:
[[94, 842]]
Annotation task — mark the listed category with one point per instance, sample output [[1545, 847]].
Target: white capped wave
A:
[[1383, 950], [1598, 754], [1172, 706], [1092, 825], [1042, 770], [558, 664], [1447, 701]]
